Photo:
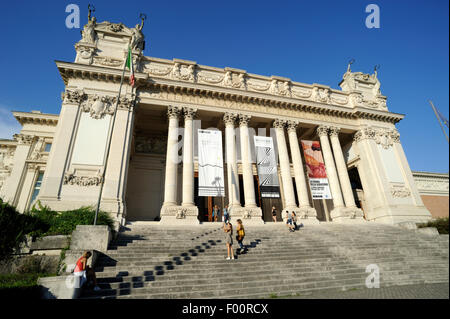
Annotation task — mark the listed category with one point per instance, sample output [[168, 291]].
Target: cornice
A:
[[36, 118], [186, 81], [102, 73]]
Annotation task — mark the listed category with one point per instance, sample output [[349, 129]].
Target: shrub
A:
[[65, 222], [441, 225], [15, 227]]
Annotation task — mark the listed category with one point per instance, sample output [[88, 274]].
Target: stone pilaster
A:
[[352, 211], [62, 141]]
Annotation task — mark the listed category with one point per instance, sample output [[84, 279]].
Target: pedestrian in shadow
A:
[[226, 214], [215, 213], [294, 220], [228, 229], [289, 221], [274, 214], [240, 235]]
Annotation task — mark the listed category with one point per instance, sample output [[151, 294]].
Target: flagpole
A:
[[109, 143], [439, 120]]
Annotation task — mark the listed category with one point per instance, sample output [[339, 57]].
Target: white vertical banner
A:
[[267, 167], [211, 180]]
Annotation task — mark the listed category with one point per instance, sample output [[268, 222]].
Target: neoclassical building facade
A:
[[152, 163]]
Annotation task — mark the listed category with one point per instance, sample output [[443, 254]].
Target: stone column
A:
[[338, 203], [349, 200], [306, 211], [251, 212], [285, 167], [247, 171], [188, 158], [232, 169], [170, 183]]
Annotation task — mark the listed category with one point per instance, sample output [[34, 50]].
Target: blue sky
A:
[[307, 41]]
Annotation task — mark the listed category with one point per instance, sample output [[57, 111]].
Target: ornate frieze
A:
[[321, 95], [98, 106], [400, 192], [107, 61], [115, 27], [36, 153], [234, 80], [183, 72], [71, 179]]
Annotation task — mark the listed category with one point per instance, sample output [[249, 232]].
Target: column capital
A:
[[230, 118], [365, 133], [73, 96], [278, 123], [244, 119], [334, 131], [173, 112], [292, 126], [24, 139], [189, 113], [322, 130], [395, 136]]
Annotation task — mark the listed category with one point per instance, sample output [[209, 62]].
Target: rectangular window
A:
[[48, 146], [37, 187]]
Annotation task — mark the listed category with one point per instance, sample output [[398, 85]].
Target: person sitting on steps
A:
[[85, 273]]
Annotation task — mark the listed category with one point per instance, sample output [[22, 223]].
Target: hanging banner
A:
[[318, 181], [210, 164], [267, 167]]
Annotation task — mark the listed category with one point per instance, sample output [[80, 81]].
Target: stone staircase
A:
[[154, 261]]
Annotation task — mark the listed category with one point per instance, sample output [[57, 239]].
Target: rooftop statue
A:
[[88, 33], [137, 38]]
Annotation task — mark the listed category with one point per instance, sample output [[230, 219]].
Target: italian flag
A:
[[129, 65]]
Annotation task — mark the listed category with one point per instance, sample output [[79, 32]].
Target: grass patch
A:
[[441, 225], [23, 286]]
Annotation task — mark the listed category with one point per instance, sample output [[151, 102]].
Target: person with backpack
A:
[[240, 234]]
